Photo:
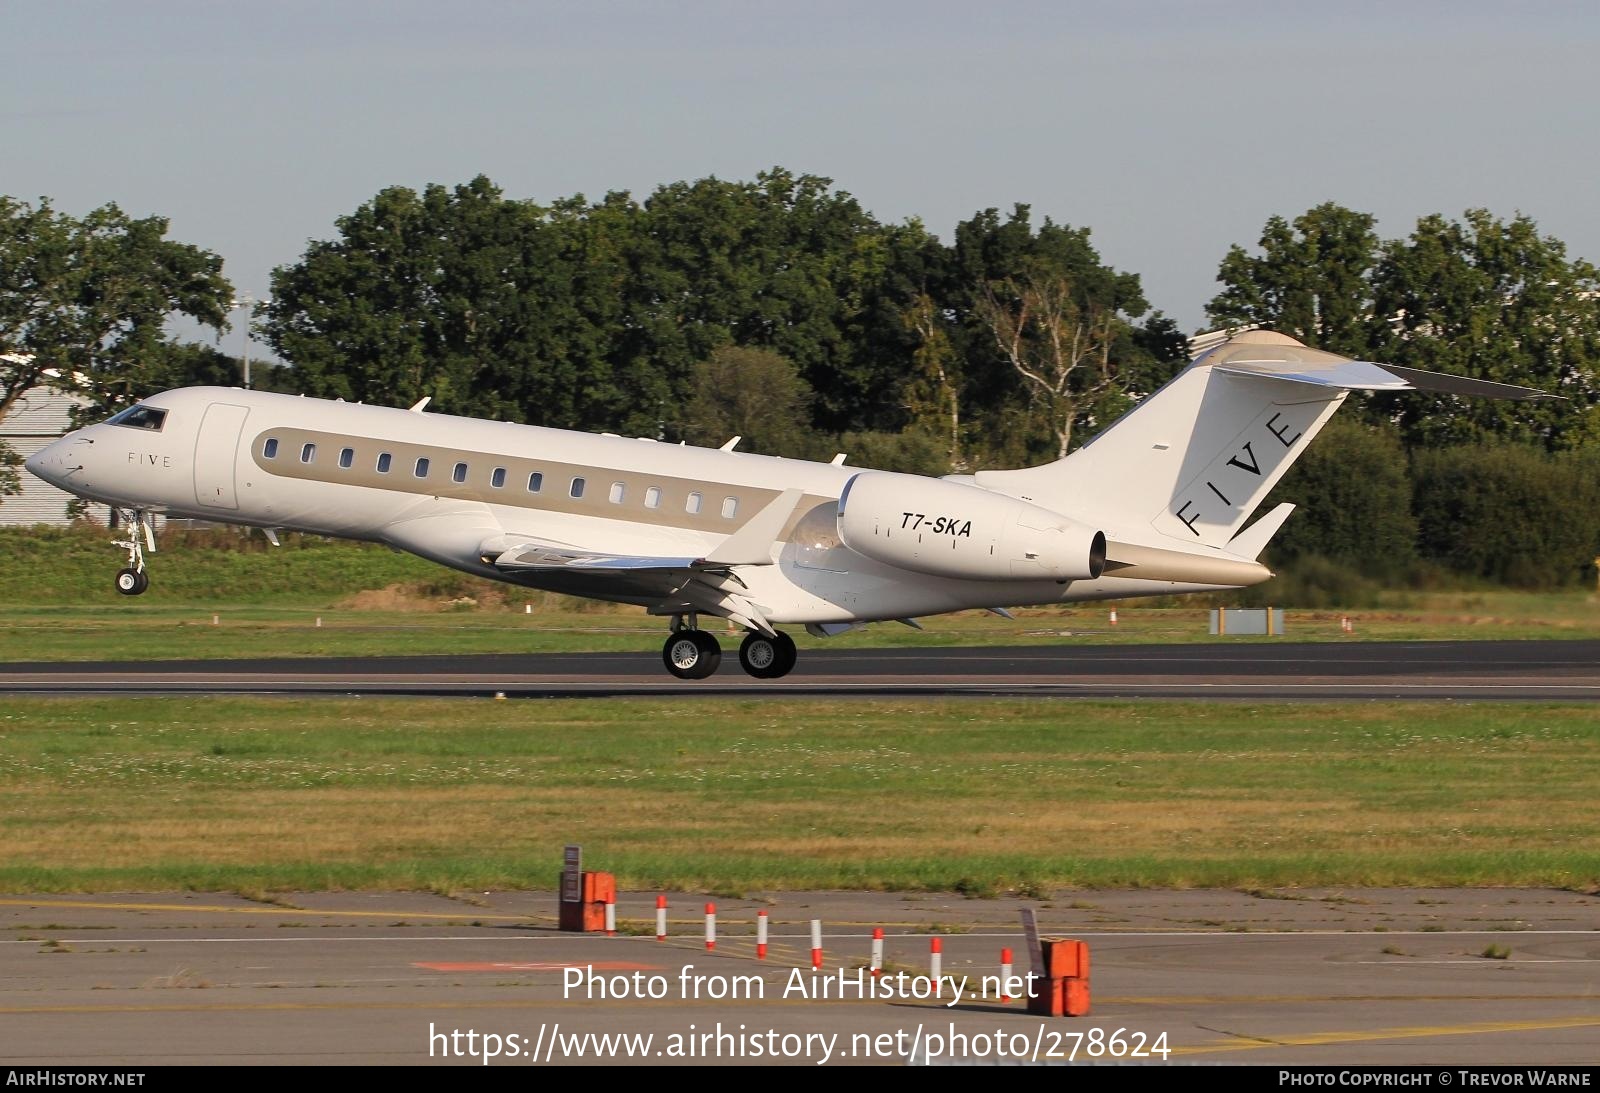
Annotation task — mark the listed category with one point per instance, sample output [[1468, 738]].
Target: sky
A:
[[1170, 129]]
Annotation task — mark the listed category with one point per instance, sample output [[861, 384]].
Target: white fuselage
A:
[[441, 487]]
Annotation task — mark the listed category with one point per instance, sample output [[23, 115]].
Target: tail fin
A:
[[1195, 459]]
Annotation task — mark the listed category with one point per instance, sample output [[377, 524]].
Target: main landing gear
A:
[[691, 653], [132, 580]]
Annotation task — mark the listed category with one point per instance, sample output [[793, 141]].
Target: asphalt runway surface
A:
[[1458, 670], [1395, 976]]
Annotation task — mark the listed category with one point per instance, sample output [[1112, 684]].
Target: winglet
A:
[[421, 404], [752, 544], [1250, 542]]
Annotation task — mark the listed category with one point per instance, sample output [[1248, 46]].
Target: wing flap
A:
[[546, 557]]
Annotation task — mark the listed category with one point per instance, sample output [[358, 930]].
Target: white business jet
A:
[[1154, 505]]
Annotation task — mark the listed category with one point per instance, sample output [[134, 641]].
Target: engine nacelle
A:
[[950, 530]]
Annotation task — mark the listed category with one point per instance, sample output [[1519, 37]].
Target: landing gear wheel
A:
[[767, 658], [691, 654], [140, 532]]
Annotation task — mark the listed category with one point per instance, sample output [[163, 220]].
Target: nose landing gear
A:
[[132, 580]]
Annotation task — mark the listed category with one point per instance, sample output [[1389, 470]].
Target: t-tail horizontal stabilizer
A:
[[1262, 353]]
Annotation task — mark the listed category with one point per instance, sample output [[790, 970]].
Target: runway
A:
[[1559, 671], [1311, 977]]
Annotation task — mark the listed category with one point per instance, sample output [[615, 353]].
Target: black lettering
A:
[[1254, 467], [1278, 432], [966, 529], [1219, 493], [905, 518], [1189, 523], [938, 526]]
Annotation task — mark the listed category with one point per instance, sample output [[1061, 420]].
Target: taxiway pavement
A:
[[1313, 977]]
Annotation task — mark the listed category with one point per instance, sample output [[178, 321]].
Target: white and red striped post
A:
[[611, 915], [761, 935], [877, 951], [661, 918], [816, 943], [1113, 618], [935, 962], [711, 927], [1005, 973]]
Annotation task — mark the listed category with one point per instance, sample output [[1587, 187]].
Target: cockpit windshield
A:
[[141, 417]]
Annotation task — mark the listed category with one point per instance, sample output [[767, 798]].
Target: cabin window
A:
[[652, 497], [692, 505], [385, 461], [308, 452], [498, 478], [347, 458], [577, 487], [535, 482], [269, 450], [422, 467], [618, 490], [141, 417], [730, 507], [460, 473]]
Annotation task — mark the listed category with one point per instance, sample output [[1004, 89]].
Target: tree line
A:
[[779, 309]]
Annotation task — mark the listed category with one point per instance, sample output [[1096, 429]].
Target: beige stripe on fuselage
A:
[[554, 494]]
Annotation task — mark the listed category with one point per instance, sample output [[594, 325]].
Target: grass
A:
[[56, 603], [109, 627], [987, 796]]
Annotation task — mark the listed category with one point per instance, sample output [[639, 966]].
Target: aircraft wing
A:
[[665, 584], [751, 544], [529, 556]]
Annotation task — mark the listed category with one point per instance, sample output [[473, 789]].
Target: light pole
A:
[[249, 303]]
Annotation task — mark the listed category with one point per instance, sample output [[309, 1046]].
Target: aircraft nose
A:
[[48, 462]]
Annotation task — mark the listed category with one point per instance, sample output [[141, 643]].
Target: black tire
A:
[[691, 654], [144, 582], [788, 656], [130, 582], [767, 658]]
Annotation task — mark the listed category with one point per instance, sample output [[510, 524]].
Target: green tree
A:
[[1057, 339], [1510, 513], [491, 307], [753, 393], [10, 477], [596, 315], [1353, 492], [84, 304], [1045, 325], [932, 391], [1312, 280], [1493, 300], [910, 452], [786, 263], [1480, 297]]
